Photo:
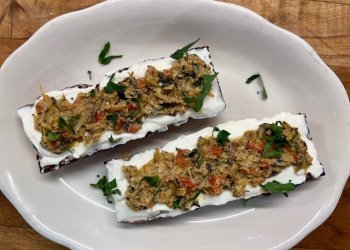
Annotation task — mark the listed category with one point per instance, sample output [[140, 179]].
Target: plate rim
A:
[[10, 193]]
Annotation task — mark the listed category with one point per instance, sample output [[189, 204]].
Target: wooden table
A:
[[325, 24]]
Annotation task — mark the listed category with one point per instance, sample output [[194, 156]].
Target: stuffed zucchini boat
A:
[[127, 104], [235, 160]]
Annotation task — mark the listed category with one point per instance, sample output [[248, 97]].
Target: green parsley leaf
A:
[[176, 203], [92, 93], [276, 187], [138, 107], [215, 129], [268, 153], [197, 101], [108, 188], [89, 73], [52, 136], [112, 140], [103, 59], [111, 86], [178, 54], [152, 181], [62, 124], [222, 137], [252, 78], [112, 118], [263, 89]]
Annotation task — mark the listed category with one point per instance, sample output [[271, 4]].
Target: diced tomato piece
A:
[[120, 124], [180, 159], [134, 128], [99, 116], [187, 183], [215, 150], [216, 180], [264, 164], [39, 107], [141, 83], [131, 107], [168, 73], [257, 146]]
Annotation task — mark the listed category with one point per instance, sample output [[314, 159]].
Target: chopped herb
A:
[[197, 101], [176, 203], [178, 54], [89, 73], [111, 86], [269, 153], [276, 187], [62, 124], [112, 118], [222, 137], [92, 93], [252, 78], [108, 188], [103, 59], [215, 129], [152, 181], [52, 136], [263, 89], [112, 140], [138, 107], [274, 141]]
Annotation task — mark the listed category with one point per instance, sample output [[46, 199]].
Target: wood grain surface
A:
[[325, 24]]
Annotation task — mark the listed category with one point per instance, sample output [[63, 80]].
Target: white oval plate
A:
[[61, 205]]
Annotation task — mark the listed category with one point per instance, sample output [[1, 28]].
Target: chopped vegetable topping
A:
[[276, 187], [112, 140], [178, 54], [215, 165], [121, 107], [102, 58]]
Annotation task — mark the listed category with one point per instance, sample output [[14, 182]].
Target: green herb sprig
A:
[[263, 89], [222, 135], [108, 188], [111, 86], [112, 118], [112, 140], [276, 187], [152, 181], [52, 136], [275, 141], [103, 58], [178, 54], [197, 101]]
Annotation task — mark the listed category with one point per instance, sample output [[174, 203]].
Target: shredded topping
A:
[[215, 165], [121, 107]]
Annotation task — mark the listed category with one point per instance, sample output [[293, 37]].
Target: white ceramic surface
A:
[[62, 206]]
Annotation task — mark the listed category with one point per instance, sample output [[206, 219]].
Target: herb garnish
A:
[[62, 124], [176, 203], [102, 56], [89, 73], [111, 86], [178, 54], [274, 141], [112, 140], [276, 187], [152, 181], [112, 118], [197, 101], [52, 136], [92, 93], [108, 188], [221, 136], [138, 106], [263, 89]]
